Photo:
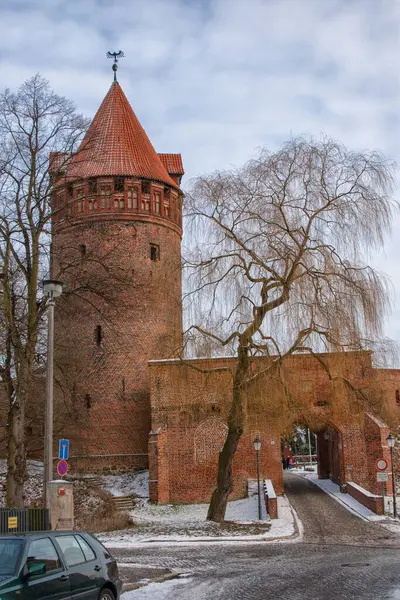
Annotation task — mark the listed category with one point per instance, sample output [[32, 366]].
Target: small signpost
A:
[[382, 476], [12, 523], [381, 464], [62, 468], [63, 450], [63, 455]]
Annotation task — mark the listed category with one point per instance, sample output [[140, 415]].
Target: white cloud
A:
[[214, 79]]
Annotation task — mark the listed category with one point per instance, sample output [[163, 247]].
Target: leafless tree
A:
[[281, 263], [34, 122]]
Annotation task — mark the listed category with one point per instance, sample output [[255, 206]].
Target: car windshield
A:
[[10, 551]]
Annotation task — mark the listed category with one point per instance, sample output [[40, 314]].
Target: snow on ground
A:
[[187, 523], [127, 484], [33, 486], [157, 591]]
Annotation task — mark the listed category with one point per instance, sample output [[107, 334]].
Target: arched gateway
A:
[[351, 413]]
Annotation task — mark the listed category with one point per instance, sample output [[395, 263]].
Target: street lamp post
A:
[[257, 448], [391, 440], [52, 289]]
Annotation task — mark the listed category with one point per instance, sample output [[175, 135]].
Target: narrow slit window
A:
[[82, 249], [98, 334], [154, 252], [88, 400]]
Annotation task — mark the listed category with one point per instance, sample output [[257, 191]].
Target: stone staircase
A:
[[122, 503]]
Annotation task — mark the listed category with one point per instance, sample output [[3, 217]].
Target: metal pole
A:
[[309, 446], [393, 485], [258, 483], [48, 427]]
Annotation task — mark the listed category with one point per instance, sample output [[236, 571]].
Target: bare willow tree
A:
[[34, 122], [280, 263]]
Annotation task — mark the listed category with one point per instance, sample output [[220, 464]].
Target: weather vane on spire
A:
[[115, 56]]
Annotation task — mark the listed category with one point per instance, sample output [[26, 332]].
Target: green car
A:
[[56, 565]]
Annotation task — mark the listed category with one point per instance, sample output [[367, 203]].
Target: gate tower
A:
[[116, 244]]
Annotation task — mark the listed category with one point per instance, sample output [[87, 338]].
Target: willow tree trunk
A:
[[236, 422], [16, 445]]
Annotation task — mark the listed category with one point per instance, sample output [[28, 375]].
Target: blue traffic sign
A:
[[63, 450]]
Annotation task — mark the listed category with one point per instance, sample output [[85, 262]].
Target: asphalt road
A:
[[341, 557]]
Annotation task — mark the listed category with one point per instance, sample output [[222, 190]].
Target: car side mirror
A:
[[33, 569]]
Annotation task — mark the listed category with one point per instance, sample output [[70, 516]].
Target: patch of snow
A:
[[187, 524], [33, 486], [156, 591], [127, 484]]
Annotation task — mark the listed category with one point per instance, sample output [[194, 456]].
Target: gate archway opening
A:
[[314, 450]]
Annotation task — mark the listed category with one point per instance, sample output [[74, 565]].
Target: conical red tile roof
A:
[[117, 144]]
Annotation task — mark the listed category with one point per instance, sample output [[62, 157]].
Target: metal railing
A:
[[24, 520]]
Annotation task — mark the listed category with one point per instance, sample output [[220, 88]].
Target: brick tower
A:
[[116, 244]]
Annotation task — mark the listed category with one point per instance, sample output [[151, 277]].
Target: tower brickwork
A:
[[116, 244]]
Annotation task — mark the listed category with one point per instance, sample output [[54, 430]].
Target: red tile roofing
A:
[[117, 144], [173, 163]]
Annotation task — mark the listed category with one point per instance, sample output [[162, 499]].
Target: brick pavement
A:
[[341, 556]]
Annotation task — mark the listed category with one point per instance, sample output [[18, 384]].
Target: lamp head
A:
[[257, 444], [52, 288], [391, 440]]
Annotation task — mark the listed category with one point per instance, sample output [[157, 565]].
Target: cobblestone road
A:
[[326, 521], [341, 557]]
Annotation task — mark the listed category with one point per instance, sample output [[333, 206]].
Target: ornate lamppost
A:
[[257, 448], [391, 440]]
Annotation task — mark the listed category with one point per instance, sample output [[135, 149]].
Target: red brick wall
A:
[[191, 409], [137, 303], [374, 503]]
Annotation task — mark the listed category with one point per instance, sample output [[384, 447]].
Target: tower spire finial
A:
[[115, 56]]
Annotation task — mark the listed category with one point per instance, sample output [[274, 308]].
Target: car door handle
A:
[[97, 568], [64, 578]]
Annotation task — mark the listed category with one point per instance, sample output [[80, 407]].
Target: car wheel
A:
[[106, 594]]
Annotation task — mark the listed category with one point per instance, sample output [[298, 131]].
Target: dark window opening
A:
[[82, 249], [118, 184], [92, 186], [70, 190], [145, 187], [88, 400], [154, 252], [98, 335], [397, 397]]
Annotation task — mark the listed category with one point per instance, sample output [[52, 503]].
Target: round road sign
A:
[[381, 464], [62, 468]]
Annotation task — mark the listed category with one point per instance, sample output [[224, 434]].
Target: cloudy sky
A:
[[215, 79]]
